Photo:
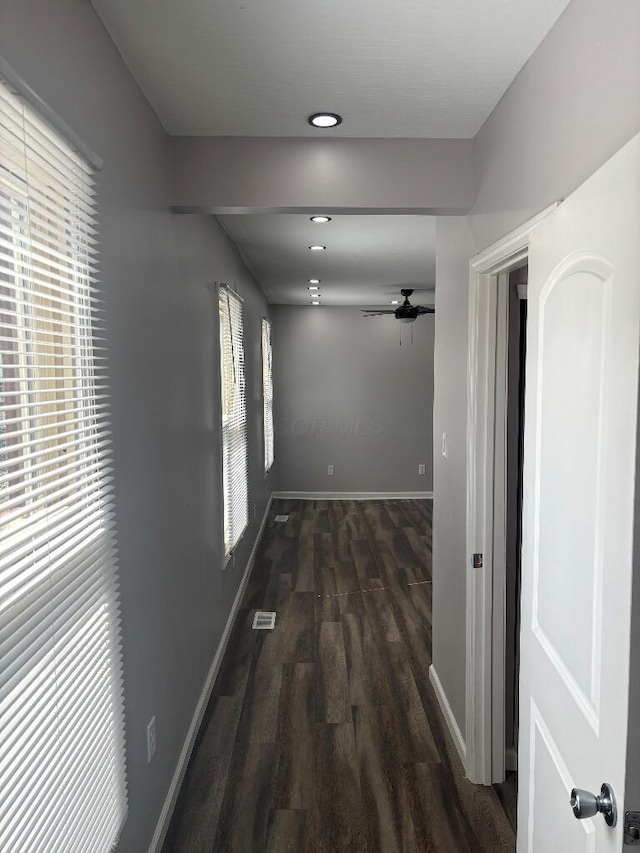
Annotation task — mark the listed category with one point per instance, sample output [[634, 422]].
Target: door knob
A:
[[585, 804]]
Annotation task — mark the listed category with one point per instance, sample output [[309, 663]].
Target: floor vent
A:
[[264, 620], [282, 518]]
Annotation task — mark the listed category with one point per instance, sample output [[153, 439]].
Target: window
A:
[[267, 393], [234, 419], [62, 768]]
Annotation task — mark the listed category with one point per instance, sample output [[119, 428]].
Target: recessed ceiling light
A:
[[317, 248], [324, 120], [320, 219], [314, 281], [395, 301], [315, 302], [313, 287]]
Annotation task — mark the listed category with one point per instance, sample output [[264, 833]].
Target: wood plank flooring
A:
[[324, 735]]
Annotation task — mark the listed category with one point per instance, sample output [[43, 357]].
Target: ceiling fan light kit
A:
[[406, 313]]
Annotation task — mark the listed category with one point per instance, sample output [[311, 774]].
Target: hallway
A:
[[325, 734]]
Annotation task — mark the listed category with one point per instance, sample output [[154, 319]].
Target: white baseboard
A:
[[511, 758], [187, 748], [452, 725], [354, 496]]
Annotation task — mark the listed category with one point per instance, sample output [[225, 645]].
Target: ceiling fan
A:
[[406, 312]]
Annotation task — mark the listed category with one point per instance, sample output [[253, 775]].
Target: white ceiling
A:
[[367, 260], [391, 68]]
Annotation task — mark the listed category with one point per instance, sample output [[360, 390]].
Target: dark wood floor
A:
[[324, 735]]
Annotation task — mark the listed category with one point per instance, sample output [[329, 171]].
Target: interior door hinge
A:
[[478, 561], [632, 828]]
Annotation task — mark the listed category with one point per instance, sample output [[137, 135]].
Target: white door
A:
[[579, 472]]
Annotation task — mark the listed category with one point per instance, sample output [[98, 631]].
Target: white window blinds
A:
[[62, 769], [234, 419], [267, 393]]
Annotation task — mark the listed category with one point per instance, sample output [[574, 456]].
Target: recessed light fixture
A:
[[395, 301], [315, 302], [313, 287], [320, 219], [317, 248], [324, 120], [314, 281]]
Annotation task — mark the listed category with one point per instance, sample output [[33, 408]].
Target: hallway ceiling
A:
[[367, 260], [391, 68]]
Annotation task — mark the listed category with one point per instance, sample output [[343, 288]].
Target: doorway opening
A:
[[516, 379], [497, 341]]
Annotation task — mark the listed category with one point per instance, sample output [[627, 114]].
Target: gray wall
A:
[[157, 272], [453, 250], [573, 105], [347, 394], [231, 175]]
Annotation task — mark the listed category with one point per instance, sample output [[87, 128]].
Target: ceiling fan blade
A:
[[373, 313], [424, 309]]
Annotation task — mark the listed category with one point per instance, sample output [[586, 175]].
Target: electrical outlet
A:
[[422, 468], [330, 470], [151, 739], [444, 445]]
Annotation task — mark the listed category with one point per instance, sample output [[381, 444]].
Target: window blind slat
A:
[[234, 418], [69, 493], [44, 212], [59, 414], [41, 177], [22, 533], [56, 304], [22, 626], [42, 226], [17, 261], [267, 394], [8, 347], [24, 704], [62, 762], [15, 392], [26, 127], [44, 490], [44, 199], [76, 465], [43, 566], [62, 523], [40, 245], [34, 268], [61, 445]]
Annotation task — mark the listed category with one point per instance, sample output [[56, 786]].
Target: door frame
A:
[[486, 500]]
